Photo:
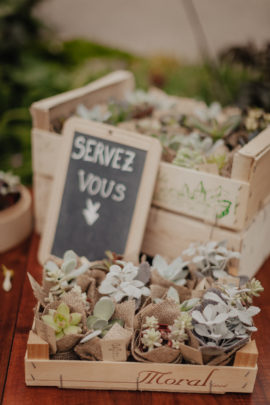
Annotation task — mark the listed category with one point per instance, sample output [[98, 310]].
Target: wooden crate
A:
[[176, 218], [41, 371], [226, 202]]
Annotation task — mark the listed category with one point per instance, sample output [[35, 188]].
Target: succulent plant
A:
[[62, 321], [207, 114], [100, 322], [62, 277], [212, 258], [154, 334], [213, 128], [222, 319], [188, 158], [9, 189], [122, 282], [176, 271], [151, 322], [151, 338], [178, 329], [97, 113]]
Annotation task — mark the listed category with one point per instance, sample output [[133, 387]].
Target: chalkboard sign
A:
[[102, 191]]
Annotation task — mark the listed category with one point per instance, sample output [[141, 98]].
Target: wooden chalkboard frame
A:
[[145, 192]]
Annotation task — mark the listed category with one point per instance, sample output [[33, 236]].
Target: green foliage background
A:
[[35, 65]]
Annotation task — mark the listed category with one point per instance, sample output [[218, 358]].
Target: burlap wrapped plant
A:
[[159, 330], [175, 274], [222, 324], [62, 323], [122, 313]]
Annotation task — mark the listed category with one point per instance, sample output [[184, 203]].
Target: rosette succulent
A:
[[122, 282], [222, 319], [176, 271], [62, 321], [63, 277], [212, 258]]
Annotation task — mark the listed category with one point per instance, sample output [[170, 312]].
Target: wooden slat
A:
[[215, 199], [252, 164], [115, 85], [37, 348], [247, 356], [140, 376]]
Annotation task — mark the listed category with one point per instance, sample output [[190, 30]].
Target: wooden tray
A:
[[101, 375]]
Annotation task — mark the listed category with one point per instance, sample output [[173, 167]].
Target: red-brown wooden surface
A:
[[12, 384]]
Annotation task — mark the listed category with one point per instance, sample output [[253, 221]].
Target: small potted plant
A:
[[15, 211]]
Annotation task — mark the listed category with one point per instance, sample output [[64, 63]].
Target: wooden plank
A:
[[247, 356], [14, 259], [255, 247], [252, 164], [42, 191], [115, 85], [139, 376], [45, 148], [168, 234], [206, 196], [37, 348]]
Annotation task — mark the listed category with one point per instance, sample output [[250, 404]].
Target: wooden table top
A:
[[16, 316]]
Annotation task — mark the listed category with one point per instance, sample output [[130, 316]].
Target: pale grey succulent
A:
[[210, 113], [222, 319], [176, 271], [212, 258], [122, 282], [63, 277], [97, 113]]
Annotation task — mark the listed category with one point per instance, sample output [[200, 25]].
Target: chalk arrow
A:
[[91, 212]]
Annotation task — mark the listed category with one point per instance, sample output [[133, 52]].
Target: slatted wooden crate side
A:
[[168, 234], [214, 199], [252, 164], [114, 85], [40, 371]]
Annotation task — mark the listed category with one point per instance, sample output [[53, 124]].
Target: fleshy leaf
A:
[[68, 265], [100, 324], [173, 294], [72, 329], [104, 308], [70, 255], [197, 316], [63, 310], [75, 318]]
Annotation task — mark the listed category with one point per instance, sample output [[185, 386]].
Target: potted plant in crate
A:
[[15, 211]]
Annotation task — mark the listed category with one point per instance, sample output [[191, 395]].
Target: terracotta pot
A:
[[16, 221]]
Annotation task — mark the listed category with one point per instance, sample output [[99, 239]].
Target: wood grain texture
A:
[[9, 303], [16, 391]]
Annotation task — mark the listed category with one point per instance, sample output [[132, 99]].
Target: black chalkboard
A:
[[106, 178]]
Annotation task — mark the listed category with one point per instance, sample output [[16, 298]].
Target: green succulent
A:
[[62, 321], [100, 320], [215, 129]]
